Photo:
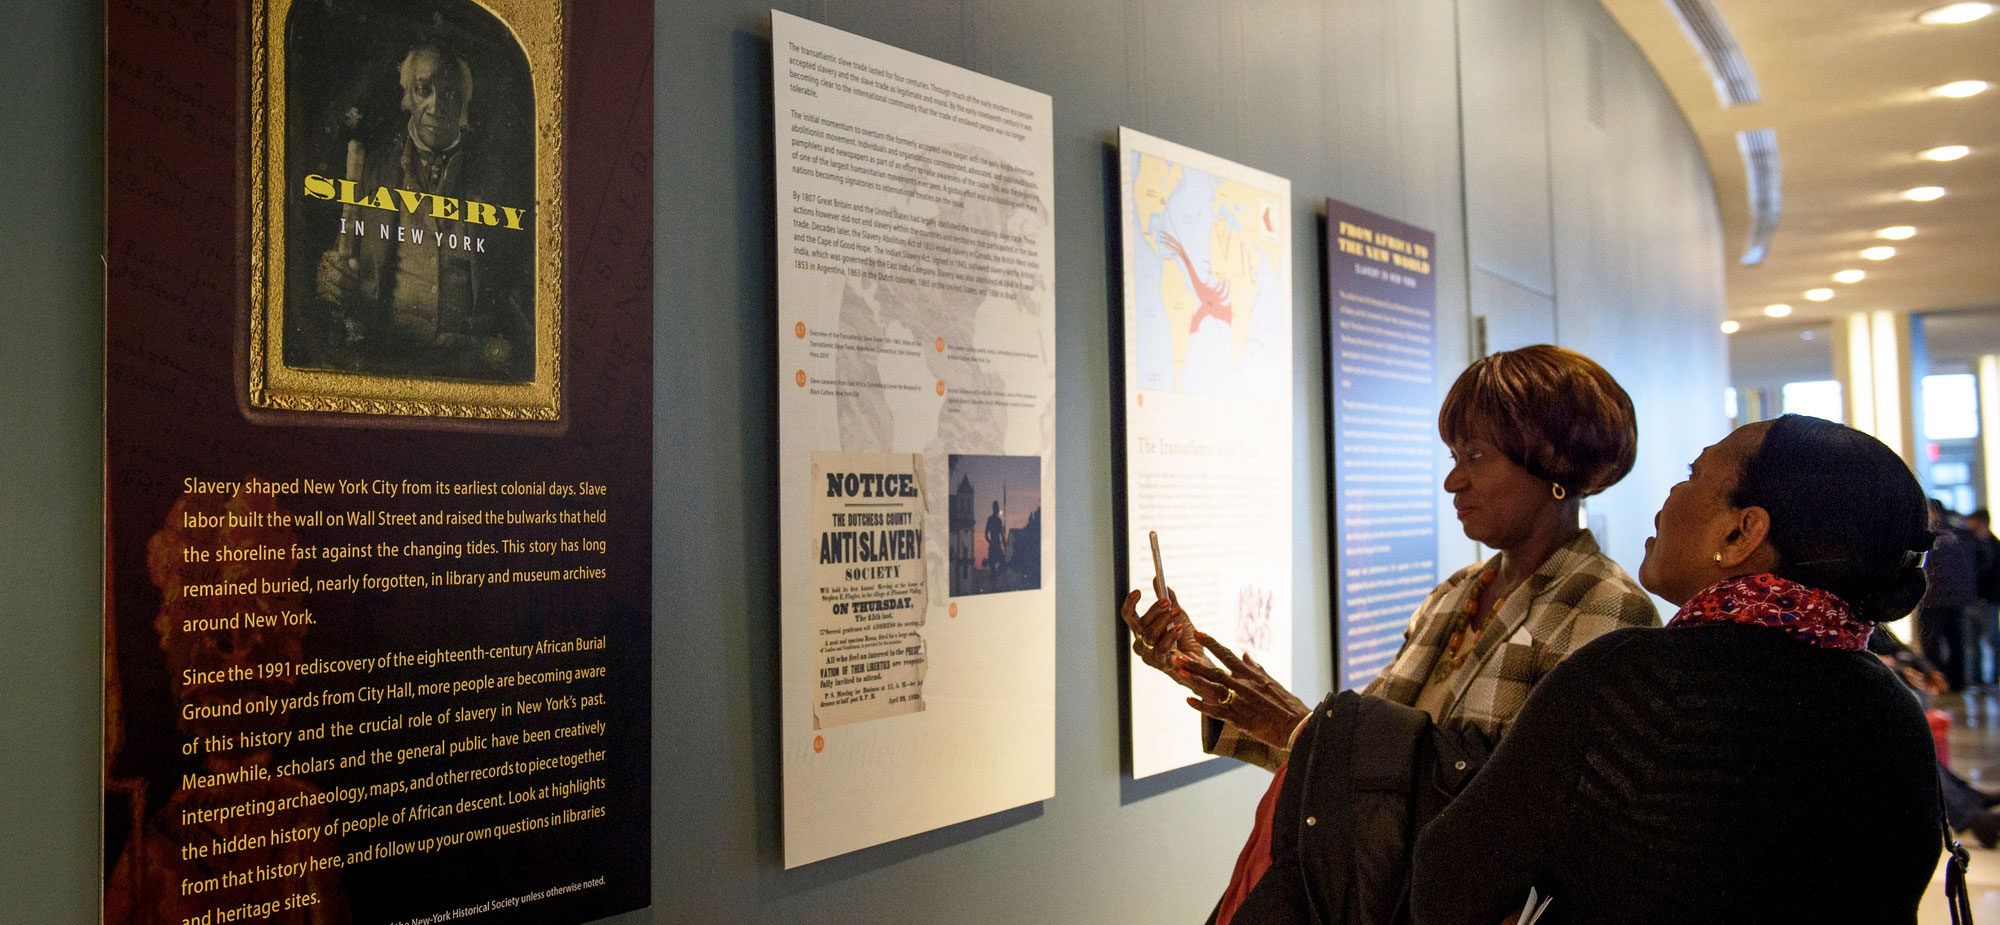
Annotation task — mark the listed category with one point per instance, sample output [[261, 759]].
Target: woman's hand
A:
[[1245, 696], [1162, 633]]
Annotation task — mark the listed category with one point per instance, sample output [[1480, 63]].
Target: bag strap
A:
[[1956, 859]]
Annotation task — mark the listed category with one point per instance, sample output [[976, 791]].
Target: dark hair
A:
[[1847, 515], [1552, 411]]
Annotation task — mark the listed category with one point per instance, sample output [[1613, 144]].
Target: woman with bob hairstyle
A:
[[1532, 432], [1752, 762]]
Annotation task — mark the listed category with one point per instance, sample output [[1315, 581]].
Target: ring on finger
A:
[[1228, 696]]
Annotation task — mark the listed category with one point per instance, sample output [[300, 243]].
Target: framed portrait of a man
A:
[[406, 210]]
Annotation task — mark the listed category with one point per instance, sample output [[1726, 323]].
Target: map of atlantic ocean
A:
[[1211, 260]]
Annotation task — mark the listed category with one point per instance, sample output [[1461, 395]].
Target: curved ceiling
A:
[[1843, 85]]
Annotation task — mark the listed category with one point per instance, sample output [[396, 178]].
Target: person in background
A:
[[1752, 762], [1948, 626], [1980, 524], [1966, 809], [1979, 530], [1923, 678], [1531, 432]]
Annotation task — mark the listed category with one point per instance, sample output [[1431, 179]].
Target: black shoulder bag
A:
[[1956, 858]]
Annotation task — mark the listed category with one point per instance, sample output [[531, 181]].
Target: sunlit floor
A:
[[1975, 755]]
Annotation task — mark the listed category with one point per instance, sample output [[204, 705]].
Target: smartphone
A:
[[1159, 571]]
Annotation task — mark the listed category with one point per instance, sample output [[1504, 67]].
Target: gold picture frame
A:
[[456, 314]]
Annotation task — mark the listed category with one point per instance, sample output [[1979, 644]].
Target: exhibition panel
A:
[[1382, 398], [378, 463], [916, 420], [1208, 408]]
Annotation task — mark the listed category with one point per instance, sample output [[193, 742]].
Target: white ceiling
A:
[[1843, 84]]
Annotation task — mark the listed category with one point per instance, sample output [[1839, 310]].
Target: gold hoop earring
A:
[[1556, 489]]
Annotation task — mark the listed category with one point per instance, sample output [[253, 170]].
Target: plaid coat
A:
[[1576, 596]]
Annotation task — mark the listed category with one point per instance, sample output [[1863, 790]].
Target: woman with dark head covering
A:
[[1752, 762], [1531, 432]]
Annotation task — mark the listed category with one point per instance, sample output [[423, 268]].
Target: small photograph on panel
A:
[[1253, 619], [996, 524]]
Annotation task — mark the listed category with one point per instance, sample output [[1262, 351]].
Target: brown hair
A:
[[1552, 411]]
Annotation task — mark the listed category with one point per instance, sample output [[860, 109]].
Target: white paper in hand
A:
[[1532, 911]]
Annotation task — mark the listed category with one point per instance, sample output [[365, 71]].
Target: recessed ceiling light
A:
[[1923, 193], [1959, 89], [1953, 14], [1819, 295], [1882, 252], [1896, 233], [1945, 153], [1731, 327], [1850, 276], [1777, 311]]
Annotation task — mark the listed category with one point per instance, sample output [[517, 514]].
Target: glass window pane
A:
[[1951, 407], [1819, 398]]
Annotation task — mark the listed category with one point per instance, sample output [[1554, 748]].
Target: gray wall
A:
[[51, 293], [1606, 241], [1637, 258]]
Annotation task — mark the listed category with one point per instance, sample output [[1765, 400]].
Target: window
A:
[[1951, 407], [1951, 473], [1819, 398]]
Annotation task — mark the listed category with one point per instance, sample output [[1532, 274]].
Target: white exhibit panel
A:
[[1208, 414], [916, 418]]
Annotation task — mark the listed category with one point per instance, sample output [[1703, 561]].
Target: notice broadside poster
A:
[[1208, 414], [916, 417], [378, 457], [871, 593], [1382, 344]]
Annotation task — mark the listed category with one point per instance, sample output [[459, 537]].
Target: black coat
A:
[[1711, 774], [1365, 775]]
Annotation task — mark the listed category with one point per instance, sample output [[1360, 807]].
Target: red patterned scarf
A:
[[1808, 614]]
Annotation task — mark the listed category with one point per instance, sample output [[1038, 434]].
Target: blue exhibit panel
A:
[[1382, 352]]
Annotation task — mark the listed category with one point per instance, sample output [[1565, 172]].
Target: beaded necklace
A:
[[1466, 636]]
